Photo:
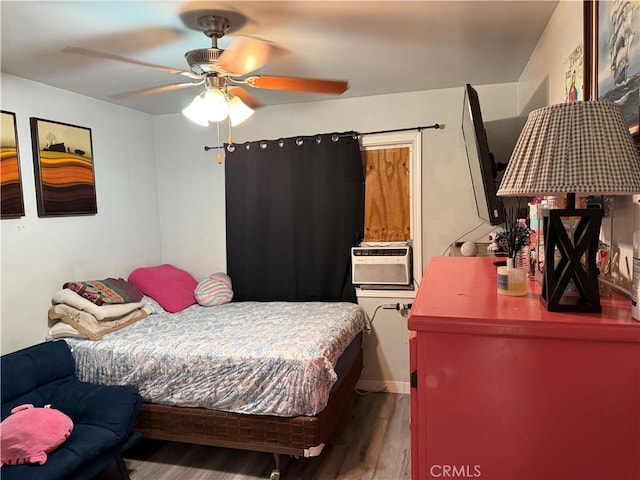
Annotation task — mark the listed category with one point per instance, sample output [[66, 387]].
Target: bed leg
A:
[[275, 473]]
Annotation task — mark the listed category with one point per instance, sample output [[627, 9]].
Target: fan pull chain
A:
[[219, 148], [230, 138]]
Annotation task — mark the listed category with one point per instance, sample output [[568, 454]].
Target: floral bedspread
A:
[[269, 358]]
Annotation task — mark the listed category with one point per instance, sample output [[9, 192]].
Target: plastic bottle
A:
[[635, 285]]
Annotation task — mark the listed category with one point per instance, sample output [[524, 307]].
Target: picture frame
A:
[[611, 73], [11, 198], [64, 169], [574, 75]]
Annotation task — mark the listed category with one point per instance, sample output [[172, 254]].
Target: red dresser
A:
[[504, 389]]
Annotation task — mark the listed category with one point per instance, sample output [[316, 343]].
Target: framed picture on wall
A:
[[574, 75], [612, 56], [63, 165], [11, 201]]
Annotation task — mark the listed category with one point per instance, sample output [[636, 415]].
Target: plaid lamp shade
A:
[[581, 147]]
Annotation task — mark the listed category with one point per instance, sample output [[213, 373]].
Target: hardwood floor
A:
[[372, 442]]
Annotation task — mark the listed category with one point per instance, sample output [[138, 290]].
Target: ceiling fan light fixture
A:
[[215, 105], [196, 111], [238, 111]]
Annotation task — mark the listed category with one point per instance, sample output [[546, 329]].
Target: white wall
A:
[[542, 80], [192, 183], [386, 347], [39, 254]]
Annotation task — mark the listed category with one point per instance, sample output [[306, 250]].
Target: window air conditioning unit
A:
[[381, 265]]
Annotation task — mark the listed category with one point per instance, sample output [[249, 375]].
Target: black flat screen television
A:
[[481, 162]]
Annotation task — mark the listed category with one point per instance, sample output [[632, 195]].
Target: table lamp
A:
[[568, 149]]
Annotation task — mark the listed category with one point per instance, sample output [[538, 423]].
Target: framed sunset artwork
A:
[[11, 201], [63, 167]]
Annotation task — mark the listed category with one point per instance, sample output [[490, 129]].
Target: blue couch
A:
[[103, 416]]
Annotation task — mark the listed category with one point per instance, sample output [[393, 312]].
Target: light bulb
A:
[[195, 111], [215, 105], [238, 111]]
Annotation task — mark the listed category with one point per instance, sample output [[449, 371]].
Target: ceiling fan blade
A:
[[151, 90], [248, 99], [244, 55], [118, 58], [298, 84]]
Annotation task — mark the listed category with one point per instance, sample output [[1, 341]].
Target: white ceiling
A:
[[379, 47]]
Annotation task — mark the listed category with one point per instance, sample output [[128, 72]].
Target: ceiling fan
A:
[[223, 72]]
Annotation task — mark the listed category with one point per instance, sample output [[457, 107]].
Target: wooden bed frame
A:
[[303, 436]]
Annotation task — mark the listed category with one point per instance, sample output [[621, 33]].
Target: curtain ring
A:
[[335, 137], [281, 143], [248, 146], [318, 139], [299, 141], [263, 145], [231, 148]]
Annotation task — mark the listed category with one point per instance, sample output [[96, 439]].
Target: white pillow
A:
[[214, 290]]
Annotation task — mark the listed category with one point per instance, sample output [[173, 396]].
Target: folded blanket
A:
[[107, 291], [86, 324], [63, 330], [101, 312]]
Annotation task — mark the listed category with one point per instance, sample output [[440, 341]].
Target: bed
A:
[[264, 376]]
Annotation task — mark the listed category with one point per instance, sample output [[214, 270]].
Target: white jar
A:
[[512, 281]]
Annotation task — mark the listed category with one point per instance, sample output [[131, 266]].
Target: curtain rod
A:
[[435, 125]]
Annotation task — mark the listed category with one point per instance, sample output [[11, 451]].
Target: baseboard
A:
[[383, 385]]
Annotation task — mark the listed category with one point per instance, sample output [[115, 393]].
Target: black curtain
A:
[[294, 209]]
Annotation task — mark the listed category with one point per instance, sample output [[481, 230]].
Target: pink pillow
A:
[[30, 433], [171, 287]]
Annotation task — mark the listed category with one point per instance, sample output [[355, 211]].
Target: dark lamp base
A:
[[572, 303], [577, 260]]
